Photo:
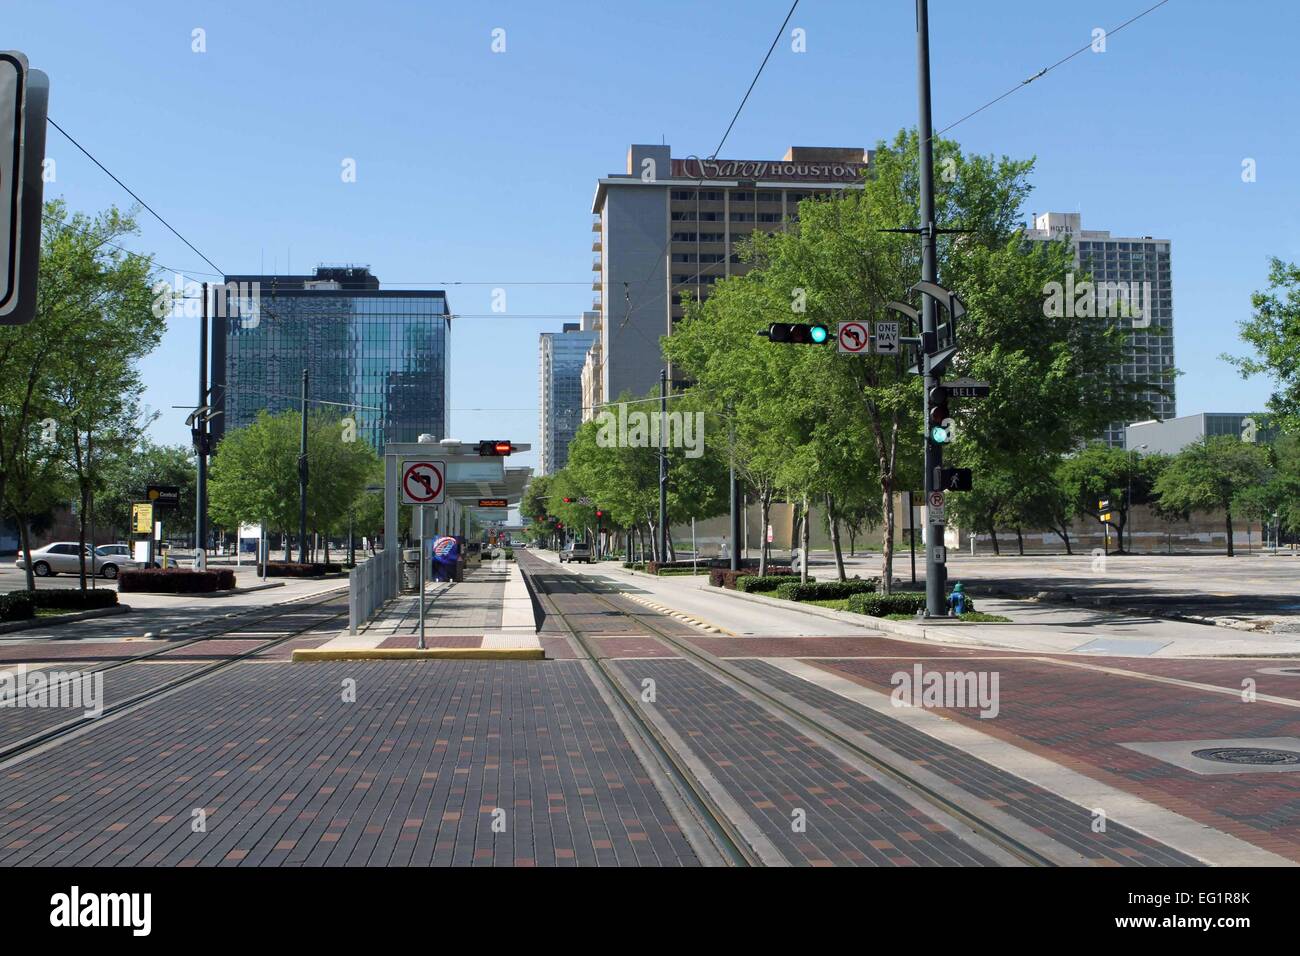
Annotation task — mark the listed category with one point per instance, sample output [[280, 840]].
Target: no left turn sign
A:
[[853, 337], [423, 482]]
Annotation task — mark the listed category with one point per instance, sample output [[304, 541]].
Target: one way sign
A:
[[887, 338]]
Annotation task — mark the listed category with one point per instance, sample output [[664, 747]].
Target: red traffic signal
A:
[[600, 514], [495, 448], [567, 501]]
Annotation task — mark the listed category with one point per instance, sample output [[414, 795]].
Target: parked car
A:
[[63, 557], [576, 552]]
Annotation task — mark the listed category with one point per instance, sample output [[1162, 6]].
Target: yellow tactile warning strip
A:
[[673, 612], [415, 653]]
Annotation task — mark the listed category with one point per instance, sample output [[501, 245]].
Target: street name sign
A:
[[967, 388], [423, 482]]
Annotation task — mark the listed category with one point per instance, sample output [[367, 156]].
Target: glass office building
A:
[[561, 358], [379, 356]]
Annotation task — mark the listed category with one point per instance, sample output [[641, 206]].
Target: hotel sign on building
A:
[[769, 170]]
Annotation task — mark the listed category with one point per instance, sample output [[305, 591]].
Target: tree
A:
[[1273, 331], [254, 475], [127, 475], [1099, 473], [1216, 472], [69, 385]]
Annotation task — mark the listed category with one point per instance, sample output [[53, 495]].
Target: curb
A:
[[674, 613], [901, 628], [64, 618], [415, 653], [233, 591], [1105, 604]]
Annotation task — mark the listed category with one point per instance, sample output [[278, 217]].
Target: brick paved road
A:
[[1063, 821], [773, 771], [288, 774], [1079, 718]]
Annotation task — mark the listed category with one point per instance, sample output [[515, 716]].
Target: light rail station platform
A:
[[487, 616]]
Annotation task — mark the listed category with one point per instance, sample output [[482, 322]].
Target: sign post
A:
[[24, 95], [886, 338], [852, 338], [419, 512], [423, 482]]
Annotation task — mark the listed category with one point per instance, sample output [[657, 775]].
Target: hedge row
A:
[[752, 583], [726, 578], [292, 569], [176, 580], [17, 606], [72, 599], [879, 605], [826, 590]]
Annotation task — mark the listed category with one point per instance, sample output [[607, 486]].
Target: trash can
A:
[[411, 569]]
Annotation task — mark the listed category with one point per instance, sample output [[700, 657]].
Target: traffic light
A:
[[495, 448], [940, 418], [795, 333], [600, 514], [568, 501]]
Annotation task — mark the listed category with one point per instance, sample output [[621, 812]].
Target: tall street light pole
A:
[[302, 478], [935, 570], [201, 423]]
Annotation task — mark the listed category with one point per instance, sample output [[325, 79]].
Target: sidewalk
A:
[[1039, 627], [488, 615]]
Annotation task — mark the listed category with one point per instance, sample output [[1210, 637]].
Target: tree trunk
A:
[[887, 542], [81, 537], [1065, 536], [1020, 541], [853, 541], [287, 555], [805, 539], [764, 513], [1227, 519], [993, 536], [834, 521], [24, 533]]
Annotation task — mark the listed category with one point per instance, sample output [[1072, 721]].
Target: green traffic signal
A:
[[818, 334], [939, 434]]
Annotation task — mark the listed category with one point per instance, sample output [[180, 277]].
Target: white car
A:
[[63, 557]]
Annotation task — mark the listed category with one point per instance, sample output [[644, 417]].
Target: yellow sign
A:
[[142, 518]]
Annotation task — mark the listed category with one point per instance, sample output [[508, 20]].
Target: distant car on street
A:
[[576, 552], [63, 557]]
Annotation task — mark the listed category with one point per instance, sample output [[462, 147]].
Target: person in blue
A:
[[958, 602]]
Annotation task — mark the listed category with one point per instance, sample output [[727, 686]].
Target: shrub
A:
[[726, 578], [878, 605], [826, 590], [17, 606], [510, 554], [292, 569], [175, 580], [70, 599], [752, 583]]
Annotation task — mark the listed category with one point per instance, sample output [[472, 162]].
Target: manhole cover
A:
[[1254, 756]]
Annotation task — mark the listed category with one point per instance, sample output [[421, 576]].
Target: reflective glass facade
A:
[[381, 355]]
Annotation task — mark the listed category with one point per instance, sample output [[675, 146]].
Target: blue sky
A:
[[479, 167]]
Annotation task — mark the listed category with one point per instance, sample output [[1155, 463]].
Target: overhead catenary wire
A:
[[134, 195], [1048, 69]]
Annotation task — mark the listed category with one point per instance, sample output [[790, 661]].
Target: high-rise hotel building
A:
[[1140, 263], [668, 226]]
